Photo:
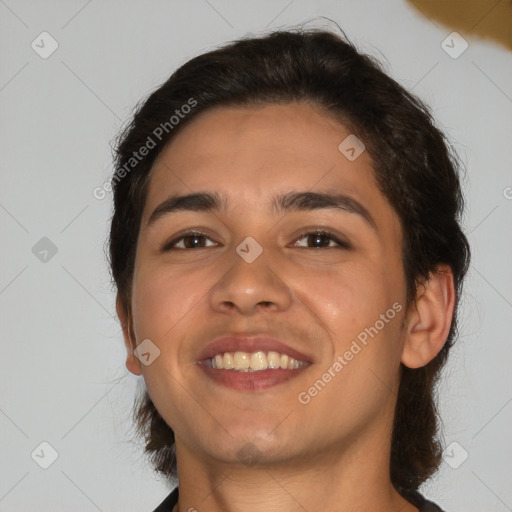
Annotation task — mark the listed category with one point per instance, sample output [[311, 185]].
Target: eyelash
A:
[[341, 244]]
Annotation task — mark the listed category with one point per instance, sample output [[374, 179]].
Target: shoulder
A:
[[169, 502]]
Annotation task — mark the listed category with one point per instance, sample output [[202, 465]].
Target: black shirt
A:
[[414, 497]]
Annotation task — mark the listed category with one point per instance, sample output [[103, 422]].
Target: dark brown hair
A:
[[414, 166]]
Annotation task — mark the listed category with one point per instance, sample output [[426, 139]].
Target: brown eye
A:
[[322, 239], [187, 241]]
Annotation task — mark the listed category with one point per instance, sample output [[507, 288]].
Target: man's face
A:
[[318, 297]]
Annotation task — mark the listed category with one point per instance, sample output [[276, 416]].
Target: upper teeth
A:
[[255, 361]]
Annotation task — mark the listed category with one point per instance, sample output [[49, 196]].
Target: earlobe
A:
[[123, 312], [429, 318]]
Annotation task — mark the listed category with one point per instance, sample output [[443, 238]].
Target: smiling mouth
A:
[[252, 371]]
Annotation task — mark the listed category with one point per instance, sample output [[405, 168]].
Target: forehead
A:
[[248, 151]]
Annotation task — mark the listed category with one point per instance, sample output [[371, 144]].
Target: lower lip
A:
[[251, 381]]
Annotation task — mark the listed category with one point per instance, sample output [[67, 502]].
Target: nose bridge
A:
[[252, 280]]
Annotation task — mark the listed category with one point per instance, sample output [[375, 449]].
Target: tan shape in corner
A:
[[488, 19]]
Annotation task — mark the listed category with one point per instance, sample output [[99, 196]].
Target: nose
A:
[[249, 287]]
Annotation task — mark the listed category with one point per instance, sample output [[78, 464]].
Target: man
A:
[[288, 258]]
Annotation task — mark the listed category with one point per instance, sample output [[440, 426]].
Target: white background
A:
[[63, 378]]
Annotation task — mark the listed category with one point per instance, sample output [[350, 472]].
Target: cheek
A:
[[350, 297], [361, 306], [164, 302], [161, 299]]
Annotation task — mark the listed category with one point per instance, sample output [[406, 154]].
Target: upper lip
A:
[[253, 343]]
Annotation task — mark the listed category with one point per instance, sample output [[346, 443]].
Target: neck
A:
[[352, 478]]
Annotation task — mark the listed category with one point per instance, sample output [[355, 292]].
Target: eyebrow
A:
[[292, 201]]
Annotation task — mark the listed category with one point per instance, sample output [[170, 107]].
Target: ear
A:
[[124, 314], [429, 318]]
